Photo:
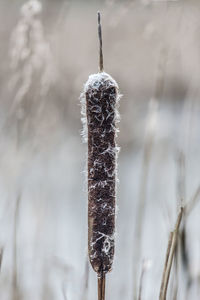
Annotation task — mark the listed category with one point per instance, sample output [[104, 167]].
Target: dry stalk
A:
[[166, 261], [176, 269], [169, 257]]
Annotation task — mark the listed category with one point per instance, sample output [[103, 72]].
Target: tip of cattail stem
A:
[[100, 43], [101, 285]]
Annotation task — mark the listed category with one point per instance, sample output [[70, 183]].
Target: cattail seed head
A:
[[100, 101]]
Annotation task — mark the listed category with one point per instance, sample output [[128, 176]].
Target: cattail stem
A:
[[100, 43], [101, 286]]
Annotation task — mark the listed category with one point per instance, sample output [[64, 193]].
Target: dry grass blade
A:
[[166, 262], [176, 269], [169, 257]]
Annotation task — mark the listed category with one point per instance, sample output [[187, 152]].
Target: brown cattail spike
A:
[[100, 43], [101, 98]]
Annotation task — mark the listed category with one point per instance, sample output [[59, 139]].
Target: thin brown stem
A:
[[166, 262], [176, 269], [100, 43], [101, 286], [169, 257]]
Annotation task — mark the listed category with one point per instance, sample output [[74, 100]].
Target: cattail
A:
[[99, 107]]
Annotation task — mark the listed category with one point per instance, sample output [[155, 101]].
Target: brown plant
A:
[[100, 100]]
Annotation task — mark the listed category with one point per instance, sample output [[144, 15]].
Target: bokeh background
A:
[[47, 51]]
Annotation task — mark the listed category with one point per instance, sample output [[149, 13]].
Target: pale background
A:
[[152, 49]]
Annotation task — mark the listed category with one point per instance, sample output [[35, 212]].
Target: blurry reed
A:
[[32, 67], [30, 54], [100, 116]]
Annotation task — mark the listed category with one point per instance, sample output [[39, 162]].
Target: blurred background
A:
[[48, 50]]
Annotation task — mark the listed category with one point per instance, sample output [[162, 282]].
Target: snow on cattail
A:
[[100, 116]]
